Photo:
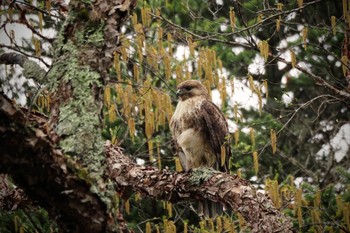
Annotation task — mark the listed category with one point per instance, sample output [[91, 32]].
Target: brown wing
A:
[[218, 132]]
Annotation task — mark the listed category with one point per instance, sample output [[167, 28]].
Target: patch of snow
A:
[[339, 145], [298, 181], [287, 97], [258, 65], [219, 2]]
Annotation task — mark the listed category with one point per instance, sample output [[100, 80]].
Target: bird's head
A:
[[191, 88]]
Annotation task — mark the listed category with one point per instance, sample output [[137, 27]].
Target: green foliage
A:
[[19, 221]]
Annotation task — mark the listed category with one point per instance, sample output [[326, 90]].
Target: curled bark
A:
[[198, 184]]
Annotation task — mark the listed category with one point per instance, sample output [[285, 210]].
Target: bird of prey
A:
[[200, 134]]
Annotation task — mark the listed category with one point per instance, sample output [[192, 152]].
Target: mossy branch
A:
[[29, 155]]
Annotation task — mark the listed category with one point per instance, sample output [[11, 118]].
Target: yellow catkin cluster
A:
[[192, 45], [124, 49], [235, 112], [150, 146], [43, 102], [159, 160], [223, 92], [278, 21], [300, 3], [278, 24], [107, 96], [345, 8], [260, 18], [241, 221], [286, 192], [239, 173], [256, 162], [232, 83], [223, 155], [265, 84], [317, 200], [346, 215], [252, 137], [273, 138], [271, 186], [260, 99], [48, 5], [40, 16], [333, 24], [107, 99], [179, 74], [257, 89], [178, 166], [304, 34], [146, 16], [345, 63], [136, 73], [339, 203], [160, 40], [170, 44], [297, 206], [279, 6], [148, 227], [116, 62], [293, 58], [169, 226], [167, 67], [132, 128], [208, 64], [232, 19], [228, 225], [236, 137], [206, 83], [264, 49], [251, 83], [316, 219], [37, 46], [169, 208]]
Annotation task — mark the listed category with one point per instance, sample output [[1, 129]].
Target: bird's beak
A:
[[179, 92]]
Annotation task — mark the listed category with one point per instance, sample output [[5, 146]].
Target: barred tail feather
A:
[[209, 209]]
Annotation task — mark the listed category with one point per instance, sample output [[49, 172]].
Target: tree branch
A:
[[46, 175], [29, 155], [31, 69], [233, 192]]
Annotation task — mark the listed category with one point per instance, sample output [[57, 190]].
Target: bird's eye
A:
[[188, 88]]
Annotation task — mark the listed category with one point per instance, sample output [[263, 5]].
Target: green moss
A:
[[79, 125], [32, 70], [199, 175]]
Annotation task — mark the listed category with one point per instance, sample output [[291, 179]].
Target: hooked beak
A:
[[179, 92]]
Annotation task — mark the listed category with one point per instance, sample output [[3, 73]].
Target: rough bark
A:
[[28, 154], [199, 184]]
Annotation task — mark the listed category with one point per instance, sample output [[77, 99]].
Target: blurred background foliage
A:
[[265, 64]]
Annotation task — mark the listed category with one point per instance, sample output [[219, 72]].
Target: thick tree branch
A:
[[235, 193], [47, 176], [31, 69], [29, 156]]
